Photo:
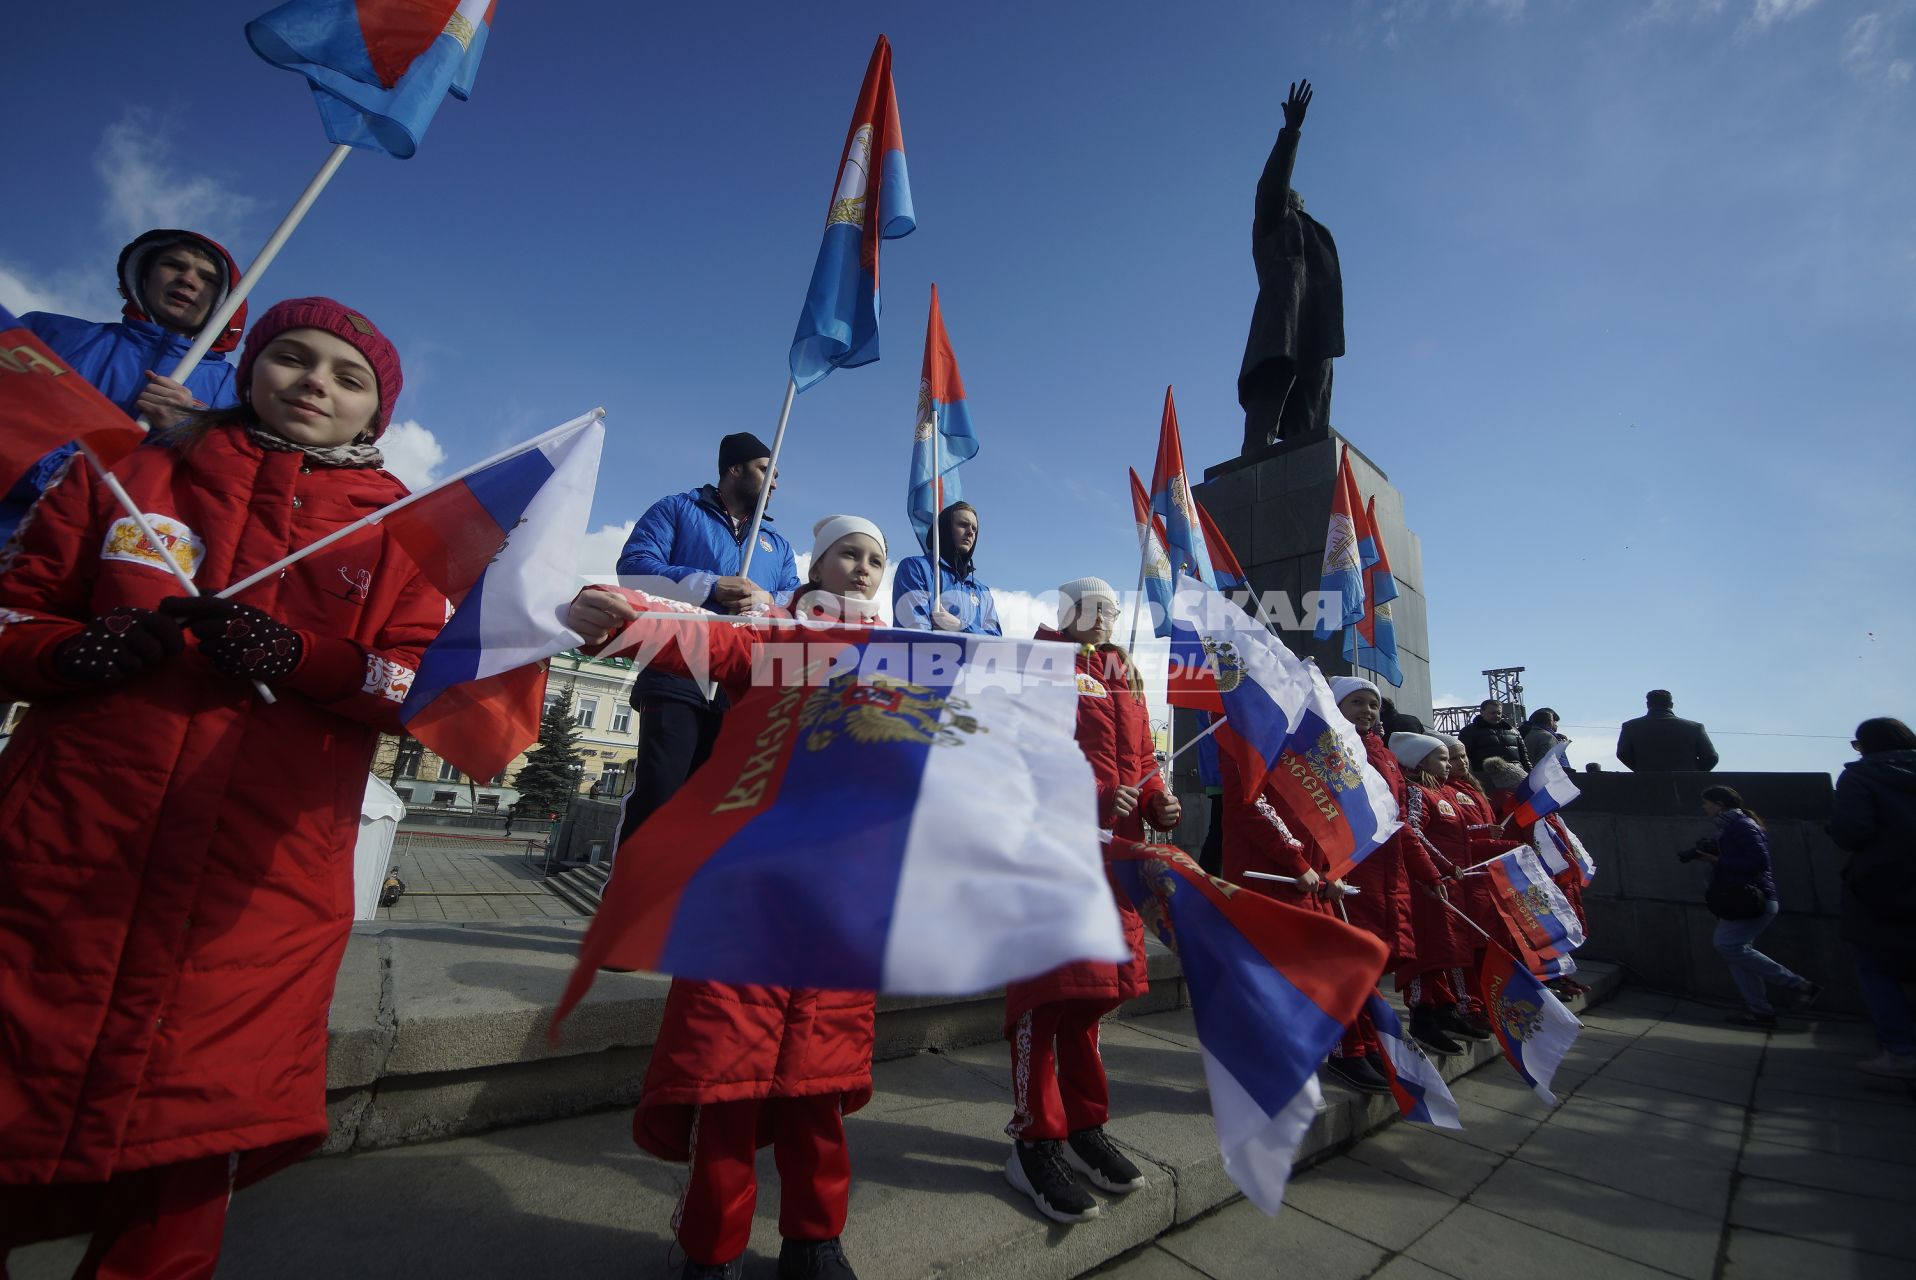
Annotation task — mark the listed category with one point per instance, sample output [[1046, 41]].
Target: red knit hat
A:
[[346, 325]]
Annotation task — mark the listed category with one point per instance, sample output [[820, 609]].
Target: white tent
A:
[[380, 813]]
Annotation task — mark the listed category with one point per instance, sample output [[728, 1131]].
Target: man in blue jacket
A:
[[172, 281], [964, 603], [689, 546]]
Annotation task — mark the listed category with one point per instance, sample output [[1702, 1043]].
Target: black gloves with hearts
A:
[[117, 644], [238, 639]]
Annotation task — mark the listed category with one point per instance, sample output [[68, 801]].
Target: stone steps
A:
[[573, 1196], [580, 885], [440, 1030]]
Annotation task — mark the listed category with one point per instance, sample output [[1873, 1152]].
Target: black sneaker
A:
[[1751, 1019], [1091, 1153], [1358, 1074], [1452, 1022], [1038, 1169], [1807, 995], [732, 1270], [814, 1260], [1425, 1031]]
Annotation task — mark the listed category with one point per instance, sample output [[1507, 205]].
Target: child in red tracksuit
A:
[[1257, 838], [176, 852], [1059, 1091], [736, 1068], [1474, 894]]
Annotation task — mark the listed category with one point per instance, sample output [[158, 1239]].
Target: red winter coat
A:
[[1256, 838], [720, 1042], [176, 856], [1383, 907], [1434, 820], [1114, 732]]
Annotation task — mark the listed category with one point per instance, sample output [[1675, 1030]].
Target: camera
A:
[[1705, 845]]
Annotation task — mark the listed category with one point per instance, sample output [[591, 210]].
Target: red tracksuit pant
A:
[[164, 1223], [1432, 988], [1057, 1077], [714, 1222], [1360, 1039]]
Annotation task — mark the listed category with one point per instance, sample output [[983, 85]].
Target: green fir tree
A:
[[549, 777]]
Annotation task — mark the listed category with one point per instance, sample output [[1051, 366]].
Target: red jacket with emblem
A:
[[176, 856], [1114, 732], [1256, 838], [721, 1042], [1383, 904]]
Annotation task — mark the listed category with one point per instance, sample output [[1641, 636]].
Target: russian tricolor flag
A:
[[44, 404], [1272, 987], [502, 540], [1171, 500], [871, 203], [1281, 724], [836, 839], [1546, 790], [1560, 849], [379, 68], [1533, 1028], [942, 439], [1422, 1096], [1532, 903]]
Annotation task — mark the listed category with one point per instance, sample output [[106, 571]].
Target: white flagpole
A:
[[236, 294], [407, 501], [937, 518], [771, 469]]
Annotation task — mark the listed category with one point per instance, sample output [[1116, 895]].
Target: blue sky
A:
[[1630, 287]]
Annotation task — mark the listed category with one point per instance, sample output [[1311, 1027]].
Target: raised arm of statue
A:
[[1274, 188]]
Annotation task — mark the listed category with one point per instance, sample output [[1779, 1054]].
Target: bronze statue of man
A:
[[1297, 328]]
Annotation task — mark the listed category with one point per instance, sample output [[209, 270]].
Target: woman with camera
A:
[[1742, 897]]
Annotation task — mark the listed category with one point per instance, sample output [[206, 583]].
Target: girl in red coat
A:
[[1257, 838], [1059, 1092], [736, 1068], [176, 853], [1444, 943], [1473, 893], [1384, 880]]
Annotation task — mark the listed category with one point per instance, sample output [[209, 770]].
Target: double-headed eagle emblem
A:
[[883, 711], [1333, 764], [1225, 663]]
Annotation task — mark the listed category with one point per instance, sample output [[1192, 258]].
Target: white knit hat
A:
[[1412, 749], [1073, 595], [1343, 687], [832, 528]]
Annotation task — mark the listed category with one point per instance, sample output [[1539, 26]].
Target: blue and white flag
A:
[[1421, 1093]]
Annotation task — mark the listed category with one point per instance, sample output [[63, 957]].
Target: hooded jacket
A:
[[1114, 732], [176, 855], [959, 588], [1874, 817], [115, 356], [683, 545]]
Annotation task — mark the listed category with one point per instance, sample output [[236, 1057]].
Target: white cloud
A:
[[1869, 54], [146, 189], [1767, 13], [412, 453], [21, 292], [599, 555]]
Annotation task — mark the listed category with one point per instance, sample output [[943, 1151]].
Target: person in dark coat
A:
[[1874, 817], [1491, 735], [689, 546], [1540, 735], [1662, 742], [1740, 853], [1391, 720], [1297, 327]]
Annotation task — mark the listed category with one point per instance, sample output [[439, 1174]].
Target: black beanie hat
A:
[[740, 447]]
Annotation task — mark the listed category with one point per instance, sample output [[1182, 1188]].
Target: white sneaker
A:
[[1893, 1066]]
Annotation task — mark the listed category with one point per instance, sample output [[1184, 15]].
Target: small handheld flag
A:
[[1546, 790], [942, 439], [1422, 1096], [378, 68], [871, 203], [1272, 987], [1533, 1028]]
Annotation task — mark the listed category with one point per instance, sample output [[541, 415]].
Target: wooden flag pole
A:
[[771, 469]]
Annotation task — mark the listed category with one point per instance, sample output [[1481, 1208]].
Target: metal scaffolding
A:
[[1506, 688]]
